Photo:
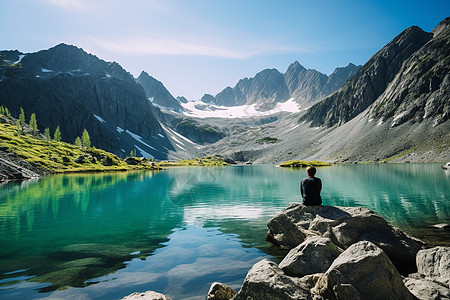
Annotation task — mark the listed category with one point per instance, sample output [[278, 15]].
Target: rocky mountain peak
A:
[[295, 67], [369, 82], [442, 28], [157, 92]]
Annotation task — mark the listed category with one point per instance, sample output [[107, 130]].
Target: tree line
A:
[[84, 141]]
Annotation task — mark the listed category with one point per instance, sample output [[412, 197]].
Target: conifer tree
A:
[[2, 110], [33, 122], [86, 139], [133, 152], [47, 133], [7, 113], [78, 142], [22, 118], [18, 126], [57, 135]]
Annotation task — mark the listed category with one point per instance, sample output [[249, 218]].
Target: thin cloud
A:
[[69, 4], [155, 46]]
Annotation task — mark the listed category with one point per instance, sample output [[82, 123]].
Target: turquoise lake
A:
[[105, 236]]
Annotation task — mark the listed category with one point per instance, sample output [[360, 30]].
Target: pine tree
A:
[[18, 126], [57, 135], [7, 113], [47, 133], [133, 153], [22, 118], [86, 139], [2, 110], [78, 142], [33, 122]]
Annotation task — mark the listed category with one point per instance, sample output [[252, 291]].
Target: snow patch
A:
[[20, 59], [46, 70], [173, 133], [107, 75], [123, 150], [139, 139], [182, 148], [161, 135], [151, 99], [99, 118], [242, 111], [293, 128], [119, 130], [143, 153]]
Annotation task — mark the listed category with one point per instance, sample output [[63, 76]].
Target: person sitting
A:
[[310, 188]]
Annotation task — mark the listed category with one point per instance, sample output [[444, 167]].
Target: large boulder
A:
[[314, 255], [433, 278], [363, 271], [425, 289], [220, 291], [266, 280], [435, 263], [148, 295], [344, 226]]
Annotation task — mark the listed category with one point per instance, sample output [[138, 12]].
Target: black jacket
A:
[[310, 188]]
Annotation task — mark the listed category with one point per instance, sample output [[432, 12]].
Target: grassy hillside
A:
[[60, 157], [207, 161]]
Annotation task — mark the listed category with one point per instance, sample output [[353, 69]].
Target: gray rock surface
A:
[[220, 291], [314, 255], [157, 92], [363, 271], [149, 295], [266, 280], [369, 82], [425, 289], [433, 278], [14, 168], [344, 226], [435, 263]]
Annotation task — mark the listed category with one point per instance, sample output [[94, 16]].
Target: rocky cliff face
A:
[[157, 92], [407, 80], [69, 88], [270, 87]]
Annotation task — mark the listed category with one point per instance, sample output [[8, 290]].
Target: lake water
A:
[[104, 236]]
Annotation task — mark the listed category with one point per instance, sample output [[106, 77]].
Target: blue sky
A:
[[202, 46]]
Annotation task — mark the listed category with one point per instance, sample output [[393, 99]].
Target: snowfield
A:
[[191, 109]]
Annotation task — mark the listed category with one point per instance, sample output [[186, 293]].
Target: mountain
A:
[[67, 87], [157, 93], [270, 87], [407, 80], [395, 108]]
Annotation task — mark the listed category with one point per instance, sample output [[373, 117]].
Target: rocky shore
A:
[[340, 253], [14, 168]]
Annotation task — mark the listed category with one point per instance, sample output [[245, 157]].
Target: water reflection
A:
[[181, 229]]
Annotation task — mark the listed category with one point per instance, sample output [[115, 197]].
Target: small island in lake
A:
[[304, 164]]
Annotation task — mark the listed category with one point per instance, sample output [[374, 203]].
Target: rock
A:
[[314, 255], [132, 161], [220, 291], [82, 159], [149, 295], [363, 271], [266, 280], [435, 263], [344, 226], [442, 226], [425, 289]]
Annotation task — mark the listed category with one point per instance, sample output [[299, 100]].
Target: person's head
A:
[[311, 171]]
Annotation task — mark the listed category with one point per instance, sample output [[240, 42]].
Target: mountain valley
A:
[[394, 108]]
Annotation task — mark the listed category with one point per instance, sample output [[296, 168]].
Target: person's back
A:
[[310, 188]]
